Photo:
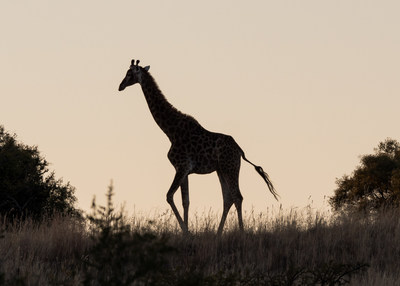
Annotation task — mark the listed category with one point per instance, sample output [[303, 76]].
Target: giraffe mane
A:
[[154, 83]]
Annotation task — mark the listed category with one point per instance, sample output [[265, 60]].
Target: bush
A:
[[374, 185], [120, 256], [27, 187]]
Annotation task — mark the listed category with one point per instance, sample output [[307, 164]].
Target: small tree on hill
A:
[[27, 187], [374, 184]]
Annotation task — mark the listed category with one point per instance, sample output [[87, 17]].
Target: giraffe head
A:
[[133, 75]]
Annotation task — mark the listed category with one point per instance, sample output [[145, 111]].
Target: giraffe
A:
[[193, 150]]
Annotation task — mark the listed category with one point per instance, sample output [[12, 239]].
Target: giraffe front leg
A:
[[185, 200], [178, 180]]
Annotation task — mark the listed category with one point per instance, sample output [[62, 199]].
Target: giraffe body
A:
[[193, 149]]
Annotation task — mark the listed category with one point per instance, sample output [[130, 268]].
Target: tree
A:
[[27, 187], [374, 184]]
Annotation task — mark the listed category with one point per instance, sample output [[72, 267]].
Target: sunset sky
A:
[[304, 87]]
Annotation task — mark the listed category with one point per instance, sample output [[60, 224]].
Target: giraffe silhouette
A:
[[193, 149]]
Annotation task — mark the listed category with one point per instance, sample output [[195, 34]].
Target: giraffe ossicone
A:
[[193, 149]]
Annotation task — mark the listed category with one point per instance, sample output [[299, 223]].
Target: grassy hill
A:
[[294, 247]]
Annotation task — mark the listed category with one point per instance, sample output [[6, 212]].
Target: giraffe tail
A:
[[265, 176]]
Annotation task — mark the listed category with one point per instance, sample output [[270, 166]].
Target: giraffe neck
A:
[[165, 114]]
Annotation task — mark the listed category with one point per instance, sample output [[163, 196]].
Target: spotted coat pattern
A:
[[193, 149]]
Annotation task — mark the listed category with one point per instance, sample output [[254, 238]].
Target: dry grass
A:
[[273, 245], [36, 254]]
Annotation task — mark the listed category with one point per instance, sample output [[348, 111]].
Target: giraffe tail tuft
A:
[[265, 176]]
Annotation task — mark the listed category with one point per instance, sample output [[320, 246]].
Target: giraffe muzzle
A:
[[121, 86]]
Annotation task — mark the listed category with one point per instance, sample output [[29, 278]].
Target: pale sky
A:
[[304, 87]]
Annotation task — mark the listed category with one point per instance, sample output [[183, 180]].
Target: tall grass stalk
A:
[[294, 246]]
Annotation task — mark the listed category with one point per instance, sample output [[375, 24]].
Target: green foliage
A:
[[118, 255], [27, 187], [375, 184]]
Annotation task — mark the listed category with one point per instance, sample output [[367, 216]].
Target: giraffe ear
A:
[[146, 68]]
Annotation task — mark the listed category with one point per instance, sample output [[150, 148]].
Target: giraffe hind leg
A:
[[227, 201], [237, 198], [238, 205], [229, 180], [231, 195], [185, 200]]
